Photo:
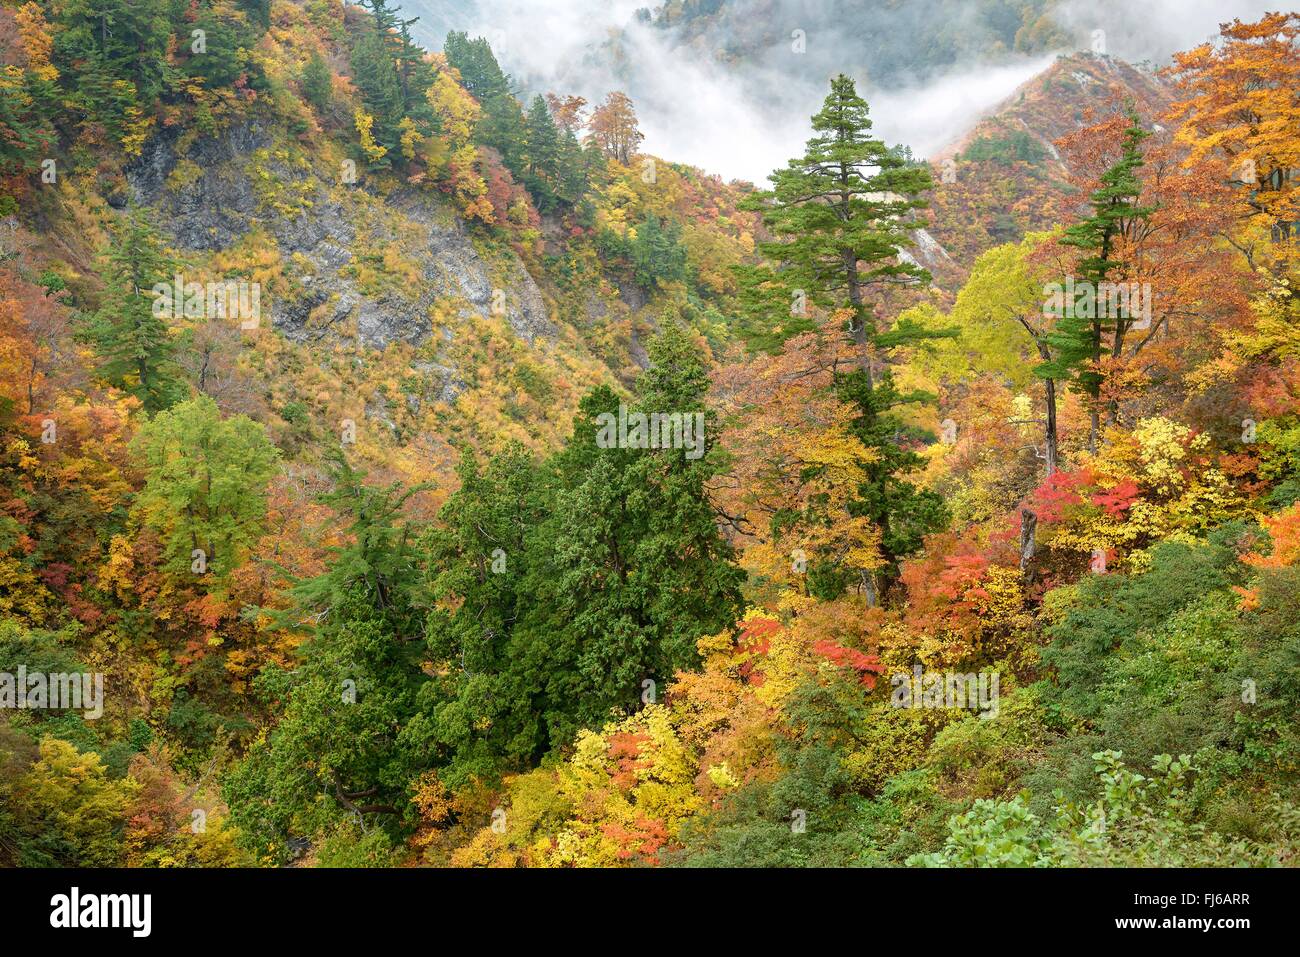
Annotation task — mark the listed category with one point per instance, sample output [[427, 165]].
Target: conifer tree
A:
[[374, 71], [1086, 330], [657, 253], [575, 173], [102, 43], [501, 125], [337, 751], [637, 569], [484, 709], [842, 213], [560, 590], [543, 155], [480, 73], [24, 137], [317, 82], [129, 331]]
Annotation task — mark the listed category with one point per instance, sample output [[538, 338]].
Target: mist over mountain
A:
[[728, 85]]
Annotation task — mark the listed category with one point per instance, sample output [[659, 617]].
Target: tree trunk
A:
[[1028, 545], [861, 335], [1049, 385], [869, 589], [1050, 450]]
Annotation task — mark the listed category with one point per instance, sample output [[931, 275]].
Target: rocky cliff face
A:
[[214, 191]]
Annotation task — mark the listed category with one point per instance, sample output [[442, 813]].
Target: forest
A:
[[403, 468]]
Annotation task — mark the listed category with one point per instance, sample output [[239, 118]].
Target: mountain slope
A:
[[1006, 176]]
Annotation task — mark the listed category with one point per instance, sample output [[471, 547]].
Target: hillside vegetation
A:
[[322, 359]]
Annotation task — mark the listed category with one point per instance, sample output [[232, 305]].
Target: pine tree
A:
[[560, 589], [484, 709], [374, 71], [1084, 333], [25, 136], [501, 125], [102, 44], [657, 253], [575, 174], [225, 53], [129, 332], [480, 73], [414, 73], [502, 128], [259, 11], [635, 568], [842, 213], [543, 156]]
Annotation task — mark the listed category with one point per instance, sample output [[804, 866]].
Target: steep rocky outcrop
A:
[[207, 197]]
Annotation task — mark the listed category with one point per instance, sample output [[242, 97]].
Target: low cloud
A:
[[744, 119], [1155, 29]]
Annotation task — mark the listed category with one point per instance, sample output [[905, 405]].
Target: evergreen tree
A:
[[542, 179], [657, 253], [575, 171], [112, 56], [25, 136], [484, 710], [635, 569], [225, 53], [317, 82], [501, 125], [561, 590], [129, 332], [336, 752], [374, 71], [480, 73], [414, 73], [842, 213], [1086, 331], [259, 12]]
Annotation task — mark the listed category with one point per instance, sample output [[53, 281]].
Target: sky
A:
[[742, 121]]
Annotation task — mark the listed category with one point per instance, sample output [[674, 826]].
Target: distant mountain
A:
[[1005, 176], [889, 43]]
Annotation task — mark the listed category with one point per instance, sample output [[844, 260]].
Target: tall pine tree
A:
[[842, 213], [559, 590], [1087, 330]]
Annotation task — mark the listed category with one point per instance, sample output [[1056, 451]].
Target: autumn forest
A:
[[405, 466]]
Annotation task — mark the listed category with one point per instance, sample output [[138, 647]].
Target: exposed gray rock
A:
[[221, 205], [449, 384], [456, 269], [632, 294]]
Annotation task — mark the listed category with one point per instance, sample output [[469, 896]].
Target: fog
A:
[[743, 117]]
